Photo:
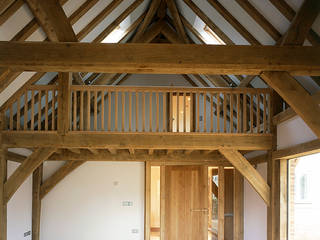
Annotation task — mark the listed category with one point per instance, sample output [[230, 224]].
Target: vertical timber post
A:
[[221, 202], [147, 203], [36, 202], [64, 111], [283, 222], [3, 179], [238, 206], [273, 214]]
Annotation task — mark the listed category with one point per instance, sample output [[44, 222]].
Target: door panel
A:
[[186, 202]]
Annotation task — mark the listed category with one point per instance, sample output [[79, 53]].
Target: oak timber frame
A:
[[194, 147], [228, 144], [299, 30]]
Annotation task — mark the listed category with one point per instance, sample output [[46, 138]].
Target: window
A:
[[304, 198]]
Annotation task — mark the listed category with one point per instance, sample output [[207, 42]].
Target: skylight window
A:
[[119, 32], [207, 34], [212, 36], [115, 36]]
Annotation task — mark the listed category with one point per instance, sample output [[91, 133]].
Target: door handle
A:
[[199, 210]]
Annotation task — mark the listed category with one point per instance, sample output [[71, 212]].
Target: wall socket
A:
[[135, 230], [127, 203], [26, 234]]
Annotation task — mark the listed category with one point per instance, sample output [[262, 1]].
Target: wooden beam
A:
[[36, 202], [30, 28], [15, 157], [132, 27], [302, 23], [260, 19], [3, 202], [258, 159], [123, 155], [246, 81], [289, 113], [206, 157], [5, 4], [208, 22], [298, 150], [118, 20], [53, 20], [77, 79], [283, 199], [289, 13], [177, 21], [147, 20], [234, 22], [170, 58], [152, 32], [25, 169], [58, 176], [12, 9], [192, 30], [65, 81], [196, 141], [248, 171], [221, 202], [170, 34], [238, 206], [296, 96], [81, 11], [94, 151], [147, 205], [112, 151], [98, 19]]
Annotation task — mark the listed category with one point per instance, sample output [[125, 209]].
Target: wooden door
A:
[[186, 203]]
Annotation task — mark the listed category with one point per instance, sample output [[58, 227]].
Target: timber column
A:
[[3, 179]]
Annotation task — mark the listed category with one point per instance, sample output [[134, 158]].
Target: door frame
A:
[[238, 212]]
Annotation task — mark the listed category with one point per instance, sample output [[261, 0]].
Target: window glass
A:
[[304, 198]]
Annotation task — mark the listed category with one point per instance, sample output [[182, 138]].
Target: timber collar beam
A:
[[174, 141], [158, 58]]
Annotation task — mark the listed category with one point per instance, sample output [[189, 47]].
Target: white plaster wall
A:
[[293, 132], [255, 210], [19, 208], [289, 133], [87, 204]]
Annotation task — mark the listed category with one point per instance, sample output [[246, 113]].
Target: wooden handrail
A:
[[146, 109]]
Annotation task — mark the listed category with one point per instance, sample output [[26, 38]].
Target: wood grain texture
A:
[[184, 141], [147, 20], [36, 202], [158, 58], [58, 176], [296, 96], [53, 20], [3, 203], [238, 206], [260, 19], [298, 150], [249, 172], [221, 203], [186, 191], [25, 169], [234, 22], [64, 96], [302, 22]]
